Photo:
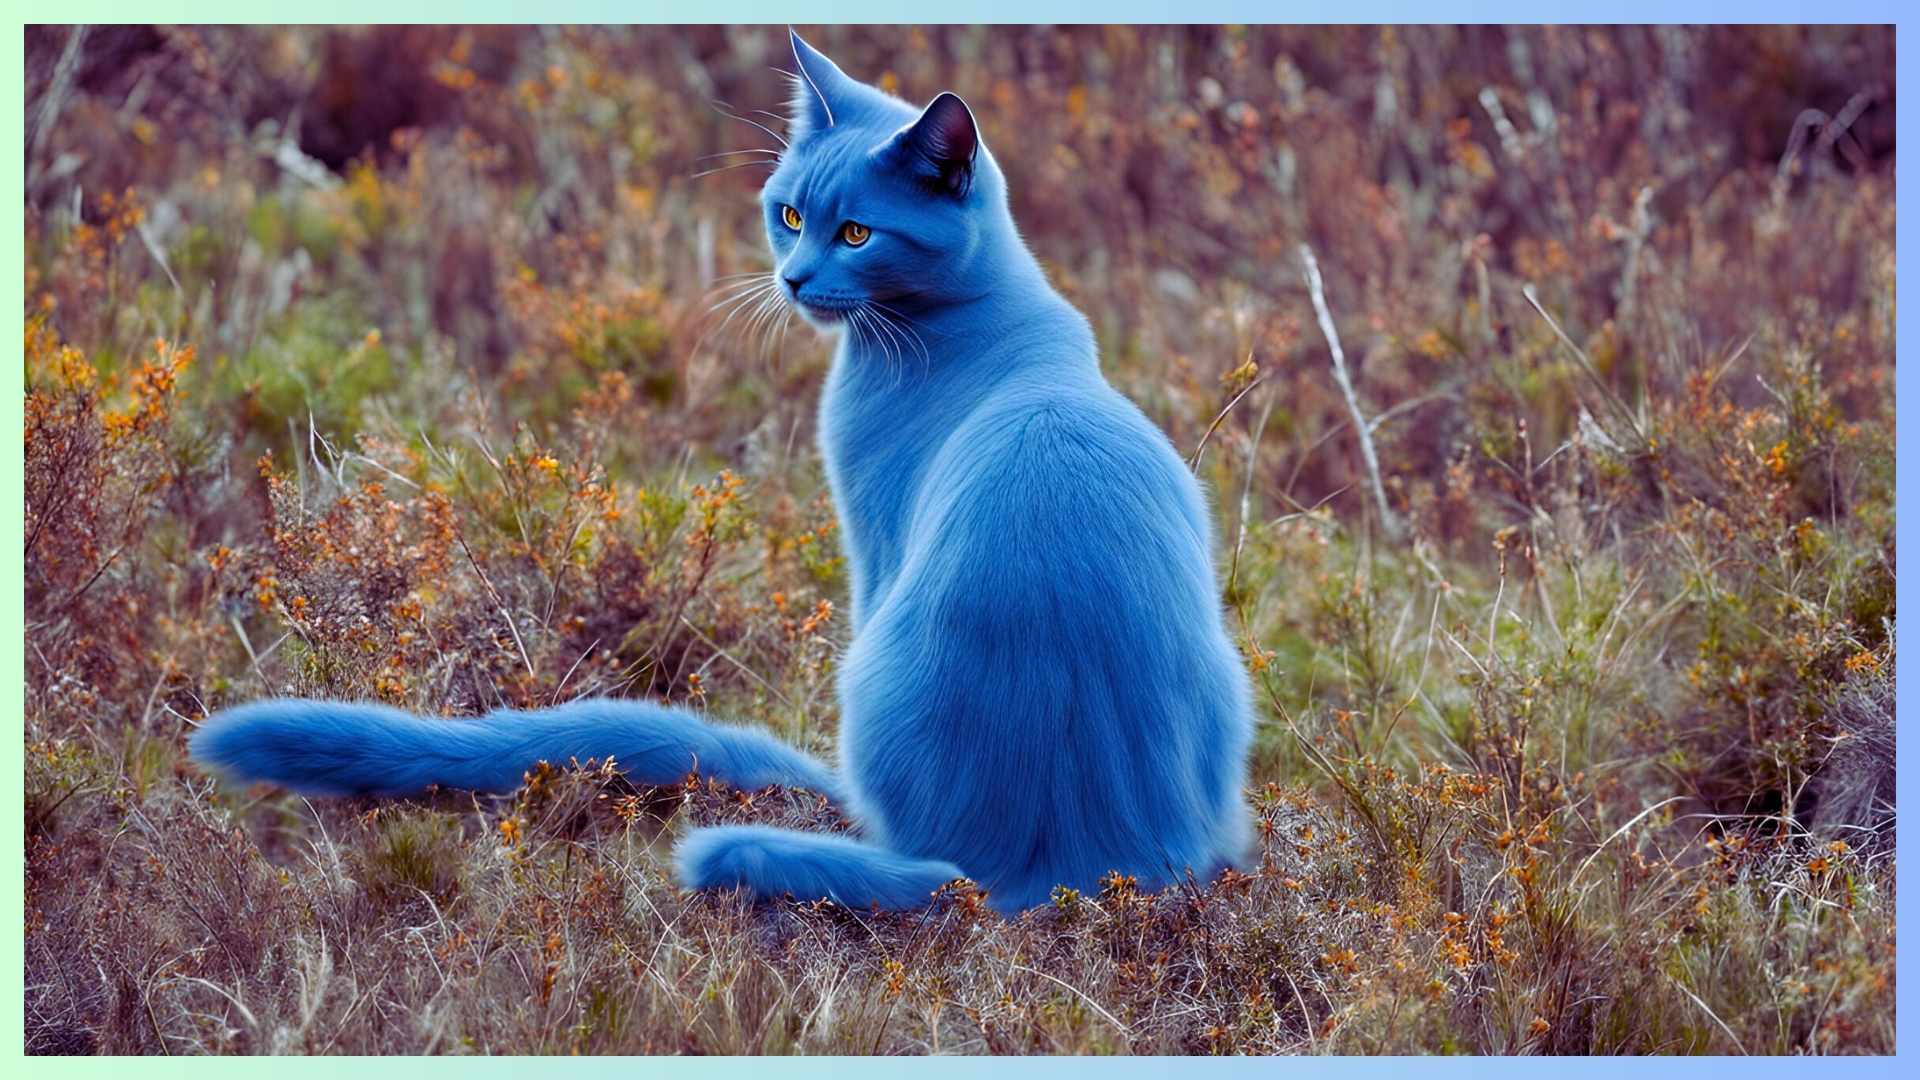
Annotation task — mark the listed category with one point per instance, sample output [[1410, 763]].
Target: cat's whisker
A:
[[780, 325], [732, 309], [898, 331], [786, 322], [881, 335], [769, 163], [900, 319], [734, 282], [886, 335], [764, 313], [857, 328], [773, 154], [743, 299], [773, 330], [735, 290], [891, 310], [899, 323], [754, 313], [725, 110], [733, 286], [855, 332], [754, 330], [861, 327]]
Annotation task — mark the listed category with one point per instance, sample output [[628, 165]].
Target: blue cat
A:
[[1040, 687]]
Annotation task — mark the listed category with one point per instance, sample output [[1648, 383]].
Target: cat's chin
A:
[[821, 318]]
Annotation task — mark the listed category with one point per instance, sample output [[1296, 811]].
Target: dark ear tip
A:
[[947, 101], [953, 121]]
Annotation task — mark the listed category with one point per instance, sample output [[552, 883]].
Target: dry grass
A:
[[1583, 745]]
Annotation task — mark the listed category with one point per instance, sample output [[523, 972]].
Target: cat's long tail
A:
[[770, 862], [342, 748]]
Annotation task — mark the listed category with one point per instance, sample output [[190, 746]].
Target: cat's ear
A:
[[941, 145], [819, 87]]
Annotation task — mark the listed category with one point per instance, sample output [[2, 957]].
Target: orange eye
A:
[[855, 233], [791, 216]]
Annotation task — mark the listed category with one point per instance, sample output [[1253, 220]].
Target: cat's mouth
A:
[[824, 311]]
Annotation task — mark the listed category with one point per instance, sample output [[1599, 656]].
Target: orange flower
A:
[[1863, 660], [1777, 459]]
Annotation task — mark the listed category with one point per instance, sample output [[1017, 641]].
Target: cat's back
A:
[[1058, 489], [1064, 448]]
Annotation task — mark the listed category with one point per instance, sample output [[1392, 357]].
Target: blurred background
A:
[[385, 363], [454, 188]]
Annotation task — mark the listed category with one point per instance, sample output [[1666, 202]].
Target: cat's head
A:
[[876, 202]]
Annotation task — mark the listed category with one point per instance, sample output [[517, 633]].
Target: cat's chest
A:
[[879, 432]]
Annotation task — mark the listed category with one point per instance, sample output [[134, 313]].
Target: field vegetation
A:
[[394, 364]]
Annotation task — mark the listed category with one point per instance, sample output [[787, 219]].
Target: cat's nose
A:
[[793, 285]]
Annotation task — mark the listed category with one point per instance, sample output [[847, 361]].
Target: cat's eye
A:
[[855, 233], [791, 216]]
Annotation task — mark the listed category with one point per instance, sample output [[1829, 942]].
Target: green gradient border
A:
[[12, 659]]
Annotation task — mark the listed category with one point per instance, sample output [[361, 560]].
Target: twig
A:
[[498, 602], [729, 658], [1710, 1013], [1637, 231], [54, 100], [241, 633], [1389, 522], [1082, 995], [1586, 364], [1246, 496], [1837, 133], [1616, 834], [1194, 461], [1510, 142], [153, 249]]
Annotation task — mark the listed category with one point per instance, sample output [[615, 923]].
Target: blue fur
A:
[[771, 862], [345, 748], [1040, 687]]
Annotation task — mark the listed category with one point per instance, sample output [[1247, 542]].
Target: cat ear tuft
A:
[[943, 143], [819, 87]]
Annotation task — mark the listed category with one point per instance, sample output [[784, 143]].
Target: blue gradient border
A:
[[881, 11]]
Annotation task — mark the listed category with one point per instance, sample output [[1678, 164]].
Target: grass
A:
[[1576, 727]]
